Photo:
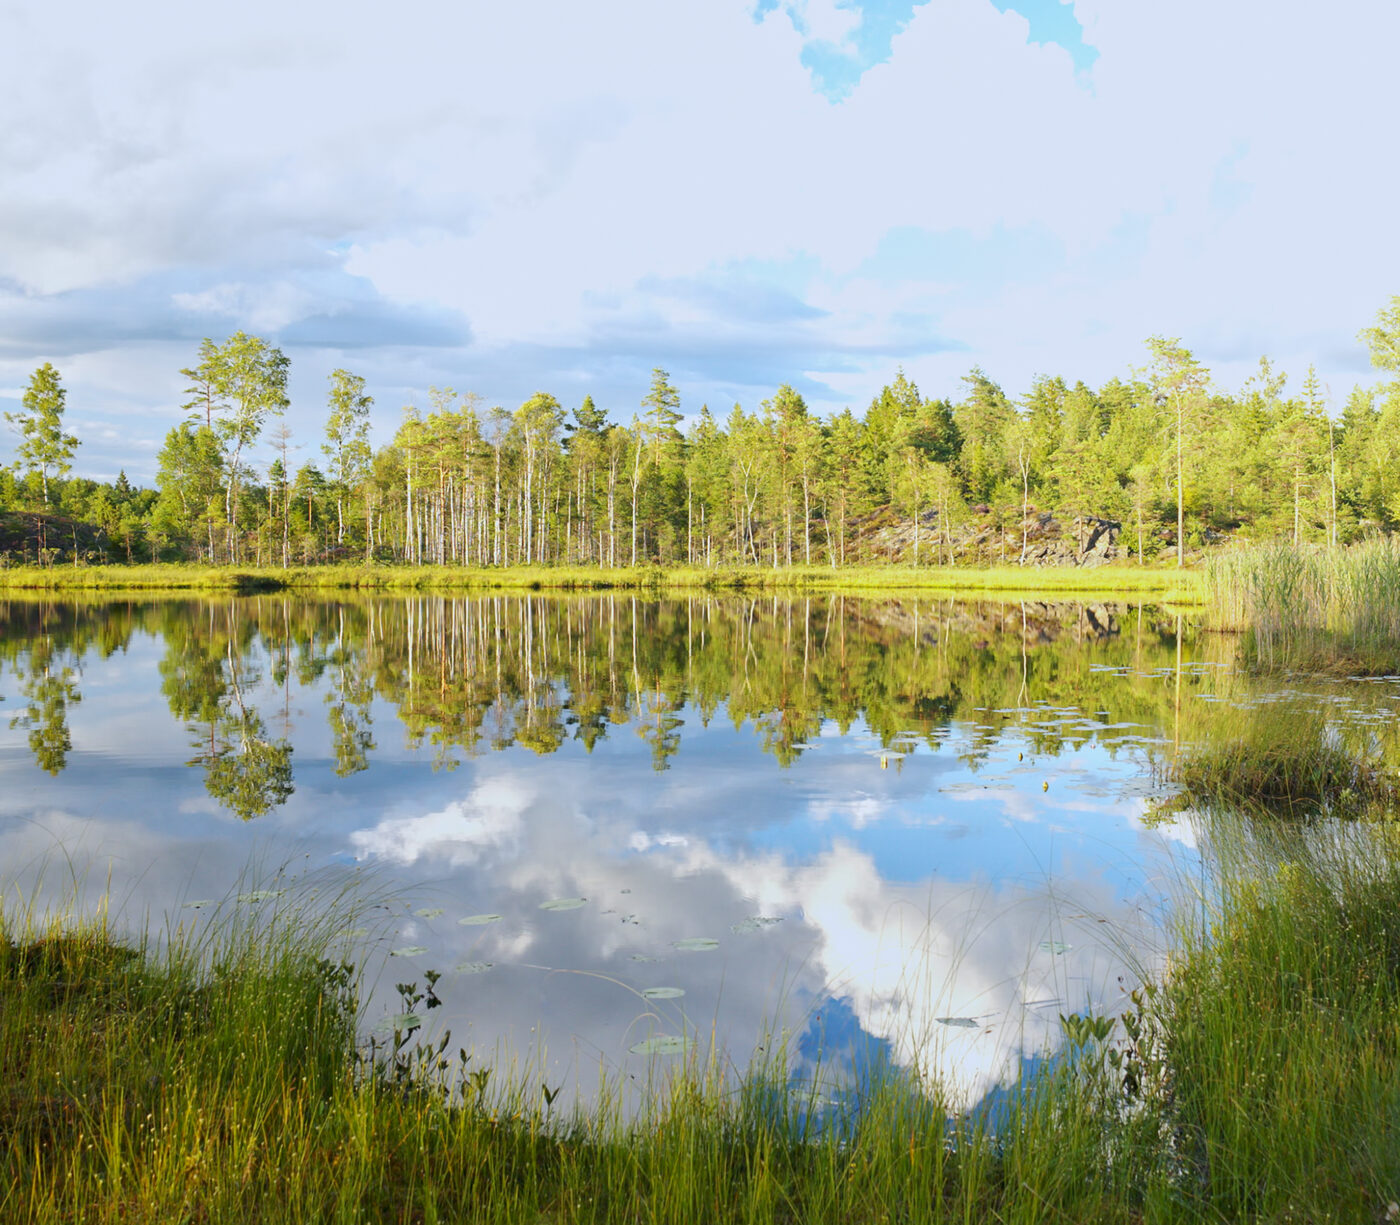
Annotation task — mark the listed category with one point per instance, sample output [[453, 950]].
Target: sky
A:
[[548, 196]]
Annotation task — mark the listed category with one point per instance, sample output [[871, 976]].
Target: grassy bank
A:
[[1311, 609], [223, 1082], [1100, 582]]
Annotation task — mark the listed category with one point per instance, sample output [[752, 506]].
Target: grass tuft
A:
[[1281, 757]]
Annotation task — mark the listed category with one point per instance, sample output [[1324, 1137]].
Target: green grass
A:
[[219, 1079], [1282, 1032], [1006, 581], [1311, 609], [1281, 757]]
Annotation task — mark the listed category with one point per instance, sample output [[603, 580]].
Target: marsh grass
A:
[[1312, 609], [1101, 582], [218, 1077], [1282, 1028], [1282, 757]]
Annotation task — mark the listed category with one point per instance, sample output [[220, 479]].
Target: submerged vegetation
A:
[[220, 1078]]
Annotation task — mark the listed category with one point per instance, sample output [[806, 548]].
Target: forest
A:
[[1169, 457]]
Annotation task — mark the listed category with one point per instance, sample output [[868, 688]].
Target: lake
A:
[[907, 831]]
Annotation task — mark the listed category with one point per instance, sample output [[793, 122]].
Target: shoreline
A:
[[1102, 582]]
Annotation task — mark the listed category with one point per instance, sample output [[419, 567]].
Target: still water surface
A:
[[917, 828]]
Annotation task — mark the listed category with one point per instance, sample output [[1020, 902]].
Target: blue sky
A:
[[539, 196]]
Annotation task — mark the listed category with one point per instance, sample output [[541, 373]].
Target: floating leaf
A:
[[405, 1022], [259, 895], [474, 967], [200, 904], [479, 920], [430, 912], [662, 1044], [563, 903], [644, 957], [663, 993], [958, 1022], [696, 944], [752, 924], [1054, 946], [409, 950], [355, 933]]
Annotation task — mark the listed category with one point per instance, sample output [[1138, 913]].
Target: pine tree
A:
[[46, 448]]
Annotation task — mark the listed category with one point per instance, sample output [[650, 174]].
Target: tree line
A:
[[1166, 452]]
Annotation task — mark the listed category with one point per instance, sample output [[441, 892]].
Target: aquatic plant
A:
[[1307, 608], [1282, 756]]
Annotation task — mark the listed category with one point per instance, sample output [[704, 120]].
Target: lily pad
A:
[[404, 1022], [563, 903], [473, 967], [200, 904], [644, 957], [663, 993], [696, 944], [259, 895], [1054, 946], [662, 1044], [479, 920], [431, 912], [409, 950], [753, 924], [355, 933], [959, 1022]]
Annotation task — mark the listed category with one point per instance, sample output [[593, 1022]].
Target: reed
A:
[[1280, 1023], [1281, 757], [1308, 608]]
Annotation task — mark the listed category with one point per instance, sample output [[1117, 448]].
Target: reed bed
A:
[[1309, 608], [219, 1078], [1283, 757]]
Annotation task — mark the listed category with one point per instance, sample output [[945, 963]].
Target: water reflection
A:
[[465, 675], [912, 823]]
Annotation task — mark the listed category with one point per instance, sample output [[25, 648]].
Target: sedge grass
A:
[[1284, 757], [218, 1078]]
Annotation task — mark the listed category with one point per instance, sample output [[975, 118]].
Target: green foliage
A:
[[45, 447], [1312, 609], [1177, 462]]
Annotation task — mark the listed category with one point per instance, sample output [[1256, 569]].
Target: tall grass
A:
[[1310, 608], [219, 1079], [1281, 756], [1282, 1029]]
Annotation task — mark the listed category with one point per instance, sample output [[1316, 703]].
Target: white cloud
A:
[[264, 307], [490, 819], [559, 173]]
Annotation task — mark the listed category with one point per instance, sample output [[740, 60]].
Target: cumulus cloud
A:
[[565, 196]]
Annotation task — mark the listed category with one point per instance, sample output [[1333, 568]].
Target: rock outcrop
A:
[[1042, 538]]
